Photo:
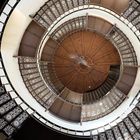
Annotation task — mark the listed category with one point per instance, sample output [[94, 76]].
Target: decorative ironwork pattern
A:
[[34, 82], [127, 129]]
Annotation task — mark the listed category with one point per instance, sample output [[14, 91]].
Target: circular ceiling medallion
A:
[[82, 61]]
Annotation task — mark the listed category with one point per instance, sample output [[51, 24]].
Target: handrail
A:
[[101, 8], [79, 9], [48, 33], [84, 131], [117, 47], [6, 75], [4, 24], [7, 16]]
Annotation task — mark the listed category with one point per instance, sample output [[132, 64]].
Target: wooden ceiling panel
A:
[[86, 65], [117, 6], [107, 3], [120, 5], [31, 39], [99, 24]]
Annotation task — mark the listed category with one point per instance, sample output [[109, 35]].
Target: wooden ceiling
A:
[[82, 61]]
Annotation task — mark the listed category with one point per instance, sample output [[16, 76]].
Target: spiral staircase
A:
[[73, 67]]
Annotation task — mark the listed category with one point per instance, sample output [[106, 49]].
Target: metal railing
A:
[[119, 17], [22, 103]]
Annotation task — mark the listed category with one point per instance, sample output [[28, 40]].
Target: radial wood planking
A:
[[82, 61]]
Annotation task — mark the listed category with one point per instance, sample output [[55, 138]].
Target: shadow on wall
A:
[[2, 4], [2, 137], [32, 130]]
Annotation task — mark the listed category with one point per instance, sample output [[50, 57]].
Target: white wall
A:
[[13, 33]]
